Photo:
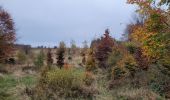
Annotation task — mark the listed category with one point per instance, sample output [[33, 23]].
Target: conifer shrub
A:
[[115, 56], [126, 66], [121, 62]]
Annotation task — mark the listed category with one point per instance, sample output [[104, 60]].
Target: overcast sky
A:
[[47, 22]]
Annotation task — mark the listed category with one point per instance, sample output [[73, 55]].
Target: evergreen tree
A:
[[60, 55], [49, 58], [73, 47], [39, 62], [103, 48]]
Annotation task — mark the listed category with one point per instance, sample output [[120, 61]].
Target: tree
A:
[[39, 62], [85, 45], [84, 51], [152, 35], [7, 35], [60, 55], [153, 38], [138, 20], [73, 47], [49, 58], [103, 48]]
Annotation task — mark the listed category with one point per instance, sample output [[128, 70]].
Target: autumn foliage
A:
[[152, 37], [7, 35], [103, 48]]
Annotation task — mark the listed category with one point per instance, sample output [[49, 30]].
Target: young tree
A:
[[60, 55], [85, 45], [84, 51], [73, 47], [39, 62], [7, 35], [49, 58], [103, 49]]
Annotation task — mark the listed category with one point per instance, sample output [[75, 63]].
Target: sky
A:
[[47, 22]]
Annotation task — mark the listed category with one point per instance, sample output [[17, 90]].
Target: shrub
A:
[[90, 63], [115, 56], [126, 66], [130, 64], [21, 57], [121, 62], [118, 73], [61, 83], [131, 47], [89, 78]]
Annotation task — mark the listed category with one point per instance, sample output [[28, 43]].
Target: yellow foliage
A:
[[127, 65]]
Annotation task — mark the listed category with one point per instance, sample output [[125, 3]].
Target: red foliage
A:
[[143, 61], [7, 35], [103, 48]]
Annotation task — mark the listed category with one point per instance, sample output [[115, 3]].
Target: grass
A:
[[28, 80], [7, 82], [11, 86]]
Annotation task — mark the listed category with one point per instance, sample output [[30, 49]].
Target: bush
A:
[[131, 47], [115, 56], [90, 63], [61, 83], [22, 57], [118, 73], [126, 66], [121, 63], [89, 78]]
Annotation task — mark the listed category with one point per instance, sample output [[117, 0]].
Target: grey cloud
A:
[[50, 21]]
